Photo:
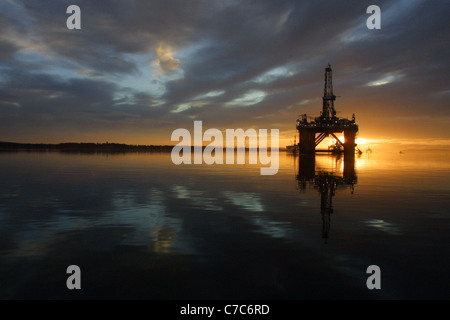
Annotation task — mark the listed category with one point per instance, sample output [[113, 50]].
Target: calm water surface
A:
[[140, 227]]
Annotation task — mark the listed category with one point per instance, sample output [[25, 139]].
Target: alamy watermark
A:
[[74, 280], [74, 20], [214, 152], [374, 21], [374, 280]]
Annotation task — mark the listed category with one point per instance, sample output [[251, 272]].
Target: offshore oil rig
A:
[[315, 131]]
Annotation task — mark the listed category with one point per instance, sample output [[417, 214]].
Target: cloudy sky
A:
[[137, 70]]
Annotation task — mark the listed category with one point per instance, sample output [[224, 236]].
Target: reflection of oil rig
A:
[[313, 132], [326, 183]]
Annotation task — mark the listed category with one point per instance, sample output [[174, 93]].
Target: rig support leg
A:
[[307, 141], [349, 142]]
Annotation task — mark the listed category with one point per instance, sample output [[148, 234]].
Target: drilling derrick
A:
[[328, 112], [312, 133]]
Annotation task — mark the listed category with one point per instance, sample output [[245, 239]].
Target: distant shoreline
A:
[[88, 147], [83, 147]]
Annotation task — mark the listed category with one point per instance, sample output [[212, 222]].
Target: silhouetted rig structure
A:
[[315, 131]]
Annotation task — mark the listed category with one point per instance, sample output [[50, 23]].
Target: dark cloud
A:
[[140, 69]]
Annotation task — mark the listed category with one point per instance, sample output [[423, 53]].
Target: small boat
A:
[[335, 148], [292, 148]]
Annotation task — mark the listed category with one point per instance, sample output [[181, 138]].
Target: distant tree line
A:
[[84, 147]]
